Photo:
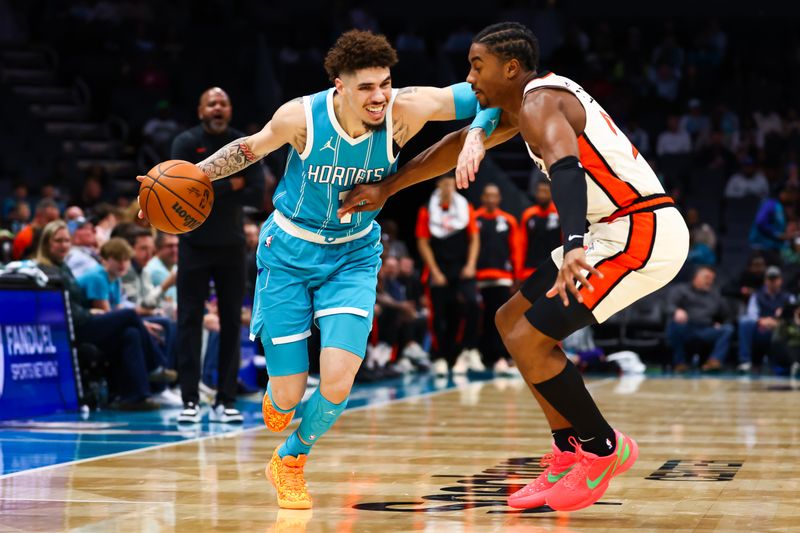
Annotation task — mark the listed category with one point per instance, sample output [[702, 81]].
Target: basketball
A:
[[176, 197]]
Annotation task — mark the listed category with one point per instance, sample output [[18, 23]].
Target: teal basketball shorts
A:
[[299, 281]]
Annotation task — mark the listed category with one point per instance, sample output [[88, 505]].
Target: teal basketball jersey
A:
[[316, 181]]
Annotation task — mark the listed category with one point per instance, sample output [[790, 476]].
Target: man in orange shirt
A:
[[448, 241], [540, 231], [497, 263], [27, 238]]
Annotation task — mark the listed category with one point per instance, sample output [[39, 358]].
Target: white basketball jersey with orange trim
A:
[[616, 174]]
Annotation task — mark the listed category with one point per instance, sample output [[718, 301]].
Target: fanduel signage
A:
[[36, 363]]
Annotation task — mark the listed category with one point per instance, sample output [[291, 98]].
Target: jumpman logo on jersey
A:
[[328, 145]]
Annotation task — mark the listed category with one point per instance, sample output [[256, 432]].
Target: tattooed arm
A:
[[288, 125]]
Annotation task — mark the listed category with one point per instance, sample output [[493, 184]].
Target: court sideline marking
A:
[[236, 433]]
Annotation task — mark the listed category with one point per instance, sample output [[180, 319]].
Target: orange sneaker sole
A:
[[283, 504]]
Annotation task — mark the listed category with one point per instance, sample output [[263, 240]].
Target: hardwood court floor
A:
[[716, 455]]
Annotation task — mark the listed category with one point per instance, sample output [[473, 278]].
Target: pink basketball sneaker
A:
[[588, 479], [534, 494]]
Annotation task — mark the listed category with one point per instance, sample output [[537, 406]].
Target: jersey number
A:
[[634, 151], [348, 218]]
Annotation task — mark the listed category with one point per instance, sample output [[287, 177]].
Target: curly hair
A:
[[358, 49]]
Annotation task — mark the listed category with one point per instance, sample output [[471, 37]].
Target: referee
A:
[[214, 251]]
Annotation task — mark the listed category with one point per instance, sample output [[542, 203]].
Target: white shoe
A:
[[191, 414], [404, 365], [502, 368], [745, 367], [414, 351], [794, 370], [462, 363], [225, 415], [628, 362], [475, 361], [440, 367], [378, 356], [167, 398], [417, 355]]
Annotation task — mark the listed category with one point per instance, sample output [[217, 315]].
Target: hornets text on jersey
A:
[[316, 181]]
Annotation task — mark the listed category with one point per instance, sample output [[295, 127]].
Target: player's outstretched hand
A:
[[469, 160], [140, 214], [571, 272], [363, 197]]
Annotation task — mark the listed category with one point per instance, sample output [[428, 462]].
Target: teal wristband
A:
[[464, 99], [486, 119]]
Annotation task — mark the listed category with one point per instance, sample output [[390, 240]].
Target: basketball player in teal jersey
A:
[[312, 264]]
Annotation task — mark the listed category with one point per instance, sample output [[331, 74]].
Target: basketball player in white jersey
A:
[[635, 244]]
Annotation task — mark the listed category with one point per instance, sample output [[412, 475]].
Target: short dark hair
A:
[[357, 49], [134, 233], [161, 236], [511, 40], [44, 204], [703, 266], [101, 211]]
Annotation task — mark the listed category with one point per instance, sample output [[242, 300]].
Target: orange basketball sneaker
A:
[[286, 475], [591, 474], [534, 494], [274, 419]]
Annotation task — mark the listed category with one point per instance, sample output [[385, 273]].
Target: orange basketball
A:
[[176, 196]]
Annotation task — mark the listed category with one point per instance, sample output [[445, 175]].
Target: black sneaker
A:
[[225, 415], [190, 415]]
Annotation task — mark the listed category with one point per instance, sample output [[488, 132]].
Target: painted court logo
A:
[[489, 489]]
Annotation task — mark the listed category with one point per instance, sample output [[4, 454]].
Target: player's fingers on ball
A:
[[140, 178], [140, 214]]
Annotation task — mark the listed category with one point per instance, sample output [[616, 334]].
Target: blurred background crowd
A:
[[94, 92]]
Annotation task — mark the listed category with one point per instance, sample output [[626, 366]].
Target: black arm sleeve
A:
[[569, 194]]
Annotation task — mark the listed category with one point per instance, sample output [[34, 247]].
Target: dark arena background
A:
[[440, 427]]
